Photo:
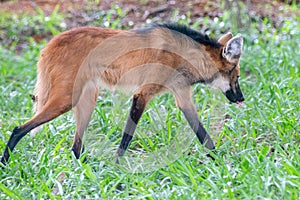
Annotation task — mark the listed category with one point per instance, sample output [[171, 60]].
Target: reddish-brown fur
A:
[[76, 62]]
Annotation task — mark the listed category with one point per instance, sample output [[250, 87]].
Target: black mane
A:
[[193, 34]]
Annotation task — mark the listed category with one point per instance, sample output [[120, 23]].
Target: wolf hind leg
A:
[[83, 111], [55, 106]]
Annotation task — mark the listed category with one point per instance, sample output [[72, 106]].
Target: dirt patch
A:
[[135, 14], [81, 12]]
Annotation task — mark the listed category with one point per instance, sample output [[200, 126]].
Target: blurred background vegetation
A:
[[23, 21]]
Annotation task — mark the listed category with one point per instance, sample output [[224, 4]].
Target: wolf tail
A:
[[41, 91]]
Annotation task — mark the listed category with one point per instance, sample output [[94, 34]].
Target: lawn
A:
[[258, 144]]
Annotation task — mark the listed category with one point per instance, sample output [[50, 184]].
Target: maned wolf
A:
[[164, 57]]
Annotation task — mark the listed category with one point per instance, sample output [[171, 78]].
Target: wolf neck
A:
[[194, 60], [199, 67], [206, 80]]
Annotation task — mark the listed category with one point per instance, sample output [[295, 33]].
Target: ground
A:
[[135, 15]]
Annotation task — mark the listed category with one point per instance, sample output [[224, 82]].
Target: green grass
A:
[[257, 145]]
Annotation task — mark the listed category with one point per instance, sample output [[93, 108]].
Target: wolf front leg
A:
[[184, 102], [136, 111], [140, 100]]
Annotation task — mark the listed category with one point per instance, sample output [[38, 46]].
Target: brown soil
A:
[[138, 12], [141, 12]]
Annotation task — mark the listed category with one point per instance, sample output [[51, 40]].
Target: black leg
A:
[[76, 148], [193, 119], [136, 111], [49, 112], [15, 137], [186, 105]]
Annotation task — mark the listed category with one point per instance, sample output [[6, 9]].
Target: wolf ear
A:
[[225, 38], [233, 49]]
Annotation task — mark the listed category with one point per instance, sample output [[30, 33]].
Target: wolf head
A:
[[229, 70]]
